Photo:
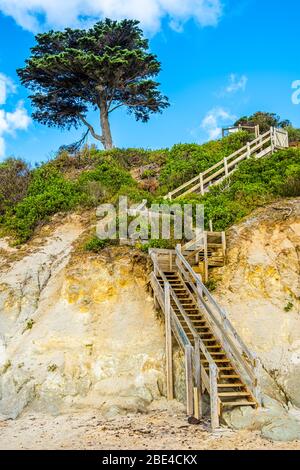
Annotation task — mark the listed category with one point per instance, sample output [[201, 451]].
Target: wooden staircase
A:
[[264, 145], [232, 391], [208, 252], [216, 359]]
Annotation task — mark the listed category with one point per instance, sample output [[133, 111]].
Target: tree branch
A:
[[116, 107], [91, 129]]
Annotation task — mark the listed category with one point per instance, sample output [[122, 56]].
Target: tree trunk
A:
[[105, 126]]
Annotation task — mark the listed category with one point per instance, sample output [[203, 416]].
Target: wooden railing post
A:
[[198, 381], [248, 150], [272, 131], [189, 380], [171, 261], [201, 184], [224, 244], [214, 405], [226, 166], [257, 391], [205, 258], [169, 351]]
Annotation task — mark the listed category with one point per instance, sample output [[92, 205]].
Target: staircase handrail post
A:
[[257, 367], [272, 132], [226, 166], [189, 350], [168, 332], [201, 184], [214, 399], [198, 379], [248, 150]]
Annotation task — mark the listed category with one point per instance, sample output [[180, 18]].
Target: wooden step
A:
[[239, 403], [234, 394], [234, 385], [229, 376], [220, 368], [213, 354], [219, 361]]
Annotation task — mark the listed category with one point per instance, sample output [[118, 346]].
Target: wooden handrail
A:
[[209, 296]]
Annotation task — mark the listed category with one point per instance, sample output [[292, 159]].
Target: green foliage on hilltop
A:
[[254, 184], [92, 177], [264, 121]]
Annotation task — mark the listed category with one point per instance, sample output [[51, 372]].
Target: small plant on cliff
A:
[[96, 245], [29, 325], [52, 368], [289, 307]]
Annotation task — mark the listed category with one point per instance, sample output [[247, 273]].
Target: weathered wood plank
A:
[[189, 380], [169, 351], [214, 405]]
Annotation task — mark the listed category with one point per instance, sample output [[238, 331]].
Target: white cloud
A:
[[35, 15], [6, 86], [236, 83], [10, 121], [212, 122]]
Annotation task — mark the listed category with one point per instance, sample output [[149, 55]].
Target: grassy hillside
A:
[[29, 197]]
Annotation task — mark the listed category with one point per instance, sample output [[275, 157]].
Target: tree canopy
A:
[[103, 68], [264, 120]]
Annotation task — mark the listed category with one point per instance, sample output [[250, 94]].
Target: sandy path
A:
[[156, 430]]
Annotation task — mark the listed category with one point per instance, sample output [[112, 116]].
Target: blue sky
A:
[[220, 61]]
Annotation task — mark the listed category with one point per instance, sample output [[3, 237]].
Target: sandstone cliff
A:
[[79, 330]]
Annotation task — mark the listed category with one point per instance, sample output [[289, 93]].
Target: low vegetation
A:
[[90, 177]]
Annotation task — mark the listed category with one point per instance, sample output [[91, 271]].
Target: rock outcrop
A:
[[260, 289]]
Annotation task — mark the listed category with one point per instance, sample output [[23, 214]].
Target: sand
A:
[[157, 430]]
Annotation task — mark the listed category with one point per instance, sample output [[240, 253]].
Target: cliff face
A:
[[260, 289], [77, 330]]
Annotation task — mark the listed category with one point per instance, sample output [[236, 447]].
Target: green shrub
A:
[[96, 245], [162, 244], [288, 307], [110, 176], [294, 134], [14, 182], [188, 160], [48, 193], [148, 174]]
